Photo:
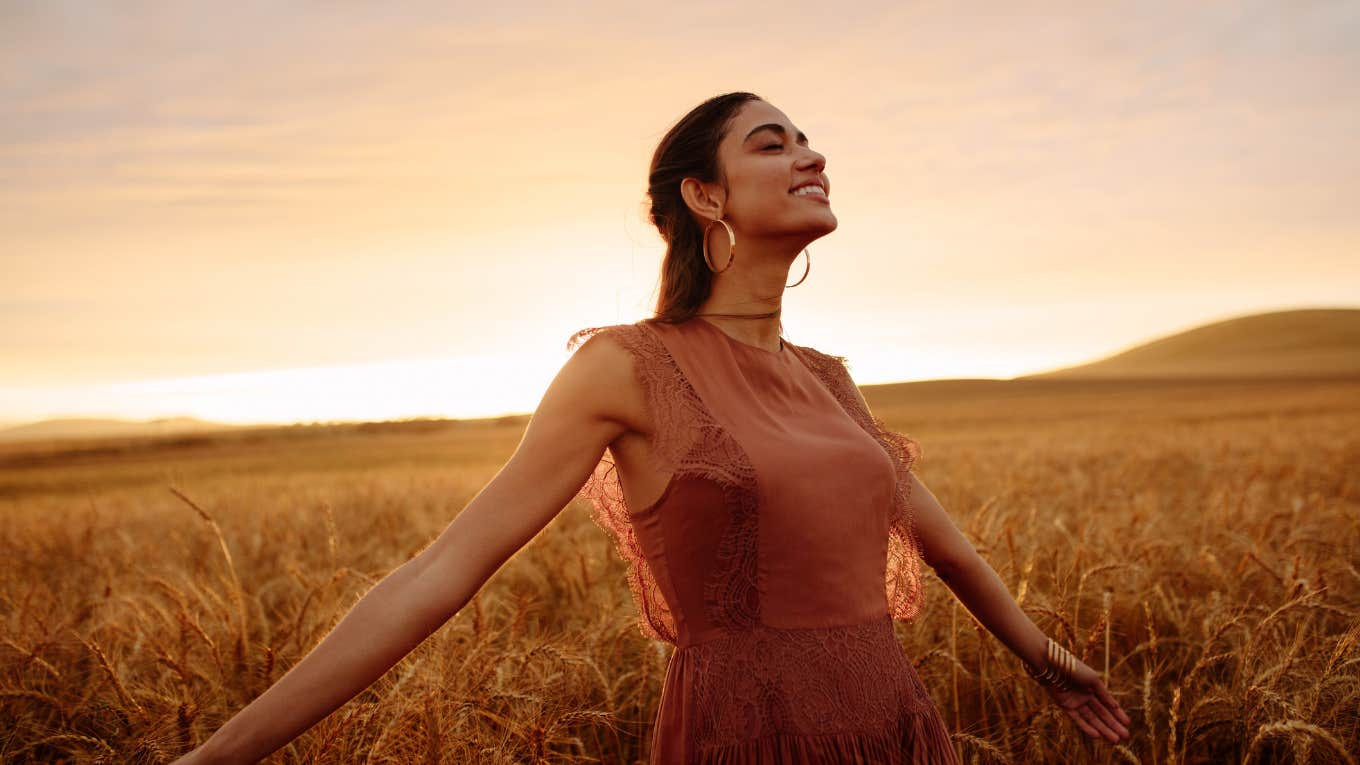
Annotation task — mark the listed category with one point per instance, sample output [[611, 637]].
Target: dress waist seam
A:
[[884, 620]]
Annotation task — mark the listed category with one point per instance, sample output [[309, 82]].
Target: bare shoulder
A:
[[603, 377]]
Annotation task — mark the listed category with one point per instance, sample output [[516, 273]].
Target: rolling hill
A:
[[1318, 342], [94, 427], [1304, 343]]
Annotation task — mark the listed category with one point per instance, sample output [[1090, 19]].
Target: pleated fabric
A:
[[776, 559]]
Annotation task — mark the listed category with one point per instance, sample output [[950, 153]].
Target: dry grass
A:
[[1199, 544]]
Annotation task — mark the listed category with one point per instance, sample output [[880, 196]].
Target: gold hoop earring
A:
[[805, 269], [731, 246]]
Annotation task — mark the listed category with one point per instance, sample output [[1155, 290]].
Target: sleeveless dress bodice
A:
[[776, 557]]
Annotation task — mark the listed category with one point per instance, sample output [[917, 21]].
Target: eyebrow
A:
[[776, 127]]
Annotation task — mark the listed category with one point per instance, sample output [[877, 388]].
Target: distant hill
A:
[[1303, 343], [88, 427], [1321, 342]]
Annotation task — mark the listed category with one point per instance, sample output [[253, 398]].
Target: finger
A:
[[1081, 723], [1110, 703], [1108, 717], [1109, 699], [1095, 722]]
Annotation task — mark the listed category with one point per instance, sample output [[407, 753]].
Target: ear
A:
[[703, 199]]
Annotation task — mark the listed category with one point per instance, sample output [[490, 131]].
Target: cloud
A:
[[326, 182]]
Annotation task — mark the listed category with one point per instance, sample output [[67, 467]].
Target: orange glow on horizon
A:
[[365, 213]]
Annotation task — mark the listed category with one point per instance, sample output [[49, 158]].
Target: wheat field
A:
[[1198, 542]]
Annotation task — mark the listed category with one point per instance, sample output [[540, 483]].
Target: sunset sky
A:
[[276, 212]]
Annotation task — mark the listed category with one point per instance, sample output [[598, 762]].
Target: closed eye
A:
[[775, 146]]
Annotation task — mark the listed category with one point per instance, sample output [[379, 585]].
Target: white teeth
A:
[[802, 190]]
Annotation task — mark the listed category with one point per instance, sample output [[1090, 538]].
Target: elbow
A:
[[444, 581]]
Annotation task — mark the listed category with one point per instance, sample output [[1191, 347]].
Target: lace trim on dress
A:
[[687, 442], [902, 582]]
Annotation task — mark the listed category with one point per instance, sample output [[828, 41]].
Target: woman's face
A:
[[765, 157]]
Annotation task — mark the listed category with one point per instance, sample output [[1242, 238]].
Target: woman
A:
[[763, 511]]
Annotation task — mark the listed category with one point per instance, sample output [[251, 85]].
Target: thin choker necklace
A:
[[769, 315]]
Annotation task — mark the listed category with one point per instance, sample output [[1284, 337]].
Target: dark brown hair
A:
[[688, 150]]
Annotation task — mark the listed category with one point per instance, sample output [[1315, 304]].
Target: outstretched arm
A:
[[980, 589], [563, 442]]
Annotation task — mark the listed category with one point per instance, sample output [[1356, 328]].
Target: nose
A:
[[812, 159]]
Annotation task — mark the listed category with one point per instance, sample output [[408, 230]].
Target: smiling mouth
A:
[[814, 193]]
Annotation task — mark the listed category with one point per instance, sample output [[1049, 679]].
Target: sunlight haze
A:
[[265, 213]]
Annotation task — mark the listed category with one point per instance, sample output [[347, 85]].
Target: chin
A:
[[808, 227], [813, 236]]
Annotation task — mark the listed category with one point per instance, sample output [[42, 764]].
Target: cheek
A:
[[761, 192], [769, 189]]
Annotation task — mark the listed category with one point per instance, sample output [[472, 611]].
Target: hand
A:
[[1091, 706]]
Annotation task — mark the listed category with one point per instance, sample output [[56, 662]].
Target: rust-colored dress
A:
[[775, 559]]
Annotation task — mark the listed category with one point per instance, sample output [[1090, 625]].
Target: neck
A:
[[751, 287]]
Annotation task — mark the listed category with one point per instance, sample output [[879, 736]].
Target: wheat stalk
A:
[[1296, 731], [236, 590]]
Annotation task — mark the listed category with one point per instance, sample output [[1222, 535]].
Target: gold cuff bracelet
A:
[[1060, 670]]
